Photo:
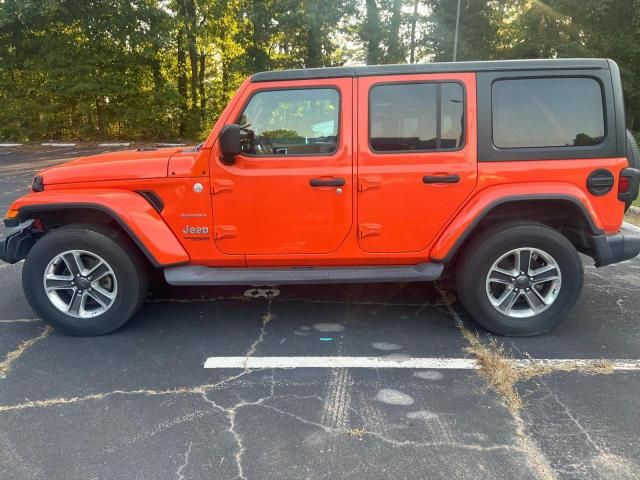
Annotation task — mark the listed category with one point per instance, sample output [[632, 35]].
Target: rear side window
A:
[[547, 112], [416, 117], [291, 122]]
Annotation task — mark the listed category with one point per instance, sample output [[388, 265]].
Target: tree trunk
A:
[[414, 21], [201, 76], [259, 16], [394, 54], [182, 83], [371, 33], [191, 26], [314, 37], [100, 117]]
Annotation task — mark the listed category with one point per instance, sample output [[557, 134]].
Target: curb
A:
[[630, 226]]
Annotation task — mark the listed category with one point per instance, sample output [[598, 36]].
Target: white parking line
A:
[[123, 144], [58, 144], [400, 362], [10, 144]]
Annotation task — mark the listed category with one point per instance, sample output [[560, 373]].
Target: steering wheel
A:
[[258, 145]]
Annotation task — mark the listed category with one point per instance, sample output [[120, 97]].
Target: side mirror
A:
[[230, 143]]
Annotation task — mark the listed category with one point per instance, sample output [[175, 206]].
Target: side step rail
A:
[[201, 275]]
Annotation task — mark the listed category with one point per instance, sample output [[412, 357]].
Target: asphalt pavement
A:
[[139, 404]]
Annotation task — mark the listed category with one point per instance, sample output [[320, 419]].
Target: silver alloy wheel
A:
[[523, 282], [80, 284]]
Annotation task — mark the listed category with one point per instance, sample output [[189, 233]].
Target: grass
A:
[[633, 218], [502, 376], [358, 433]]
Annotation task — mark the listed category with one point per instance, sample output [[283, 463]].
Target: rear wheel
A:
[[520, 279], [84, 280]]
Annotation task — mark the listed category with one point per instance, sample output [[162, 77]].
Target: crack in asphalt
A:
[[12, 357], [197, 390], [233, 411], [391, 441], [21, 320], [231, 414], [186, 462], [529, 447], [266, 318], [221, 298]]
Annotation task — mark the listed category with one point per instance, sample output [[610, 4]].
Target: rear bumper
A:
[[17, 242], [619, 247]]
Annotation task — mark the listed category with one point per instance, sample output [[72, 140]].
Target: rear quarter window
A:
[[547, 112]]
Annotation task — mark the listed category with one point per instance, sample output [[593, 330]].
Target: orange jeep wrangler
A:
[[499, 172]]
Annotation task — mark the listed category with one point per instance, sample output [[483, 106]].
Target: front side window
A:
[[416, 117], [547, 112], [291, 122]]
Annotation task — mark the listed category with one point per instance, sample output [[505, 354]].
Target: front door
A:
[[290, 191], [416, 157]]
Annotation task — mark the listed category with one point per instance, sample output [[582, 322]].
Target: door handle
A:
[[327, 182], [441, 179]]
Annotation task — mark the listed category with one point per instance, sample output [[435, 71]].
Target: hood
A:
[[122, 165]]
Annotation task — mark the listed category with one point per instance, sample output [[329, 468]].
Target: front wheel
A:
[[520, 279], [84, 280]]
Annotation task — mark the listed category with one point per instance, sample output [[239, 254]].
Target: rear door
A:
[[290, 191], [416, 157]]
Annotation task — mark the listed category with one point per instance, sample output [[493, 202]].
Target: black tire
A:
[[480, 255], [633, 153], [126, 262]]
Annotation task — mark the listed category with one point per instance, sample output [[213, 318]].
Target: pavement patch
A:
[[386, 346], [329, 327], [393, 397], [429, 375]]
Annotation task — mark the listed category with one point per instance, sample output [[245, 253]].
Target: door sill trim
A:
[[191, 275]]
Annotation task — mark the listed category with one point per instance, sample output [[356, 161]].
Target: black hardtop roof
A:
[[444, 67]]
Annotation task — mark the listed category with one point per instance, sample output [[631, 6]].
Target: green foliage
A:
[[154, 69]]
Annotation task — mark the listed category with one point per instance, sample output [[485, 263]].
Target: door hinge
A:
[[219, 186], [369, 229], [224, 231], [368, 183]]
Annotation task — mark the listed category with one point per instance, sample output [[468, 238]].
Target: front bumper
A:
[[619, 247], [17, 242]]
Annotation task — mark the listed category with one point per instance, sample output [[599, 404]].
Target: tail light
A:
[[623, 185], [628, 185]]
